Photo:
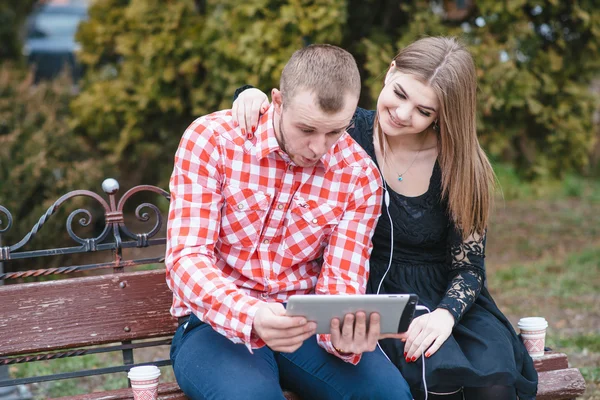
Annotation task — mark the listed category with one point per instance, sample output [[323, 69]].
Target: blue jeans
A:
[[207, 365]]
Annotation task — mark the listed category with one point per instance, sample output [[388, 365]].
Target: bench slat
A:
[[166, 391], [78, 312], [553, 385], [551, 361], [560, 384]]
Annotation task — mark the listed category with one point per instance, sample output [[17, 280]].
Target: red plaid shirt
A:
[[246, 225]]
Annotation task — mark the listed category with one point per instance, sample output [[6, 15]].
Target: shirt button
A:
[[264, 296], [240, 206], [280, 206], [314, 221], [250, 136], [266, 241], [290, 167]]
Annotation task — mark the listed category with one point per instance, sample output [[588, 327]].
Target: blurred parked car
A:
[[50, 37]]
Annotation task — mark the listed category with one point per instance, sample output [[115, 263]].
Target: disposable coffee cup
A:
[[144, 382], [533, 334]]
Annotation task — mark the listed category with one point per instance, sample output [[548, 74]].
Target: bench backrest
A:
[[85, 311], [109, 311]]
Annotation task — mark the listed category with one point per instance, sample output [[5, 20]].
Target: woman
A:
[[431, 238]]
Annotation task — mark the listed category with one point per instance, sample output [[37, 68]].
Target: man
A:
[[288, 209]]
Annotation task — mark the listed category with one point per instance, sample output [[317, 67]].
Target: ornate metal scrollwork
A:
[[114, 222]]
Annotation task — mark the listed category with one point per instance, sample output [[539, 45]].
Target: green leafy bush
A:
[[12, 20], [153, 66], [40, 157], [536, 61]]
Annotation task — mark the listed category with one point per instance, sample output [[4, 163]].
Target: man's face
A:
[[304, 131]]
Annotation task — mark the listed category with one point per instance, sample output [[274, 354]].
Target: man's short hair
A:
[[325, 70]]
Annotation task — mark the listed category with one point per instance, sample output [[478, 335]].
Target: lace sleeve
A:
[[467, 273]]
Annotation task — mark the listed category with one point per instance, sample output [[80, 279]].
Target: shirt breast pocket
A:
[[243, 216], [307, 229]]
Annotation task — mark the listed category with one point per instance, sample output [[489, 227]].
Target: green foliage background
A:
[[12, 18], [41, 158], [153, 66]]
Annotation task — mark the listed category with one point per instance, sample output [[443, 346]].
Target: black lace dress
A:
[[431, 260]]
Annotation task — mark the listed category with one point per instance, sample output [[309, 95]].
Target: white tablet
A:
[[396, 310]]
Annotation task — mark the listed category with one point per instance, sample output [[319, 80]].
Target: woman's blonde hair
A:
[[467, 177]]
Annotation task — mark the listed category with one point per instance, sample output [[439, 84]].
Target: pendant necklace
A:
[[401, 176]]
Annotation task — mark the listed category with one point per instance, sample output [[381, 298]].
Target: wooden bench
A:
[[120, 309]]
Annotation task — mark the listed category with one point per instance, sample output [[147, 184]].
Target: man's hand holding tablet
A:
[[355, 335], [279, 331], [356, 322]]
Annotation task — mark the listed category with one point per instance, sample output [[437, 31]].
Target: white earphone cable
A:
[[423, 355], [386, 199]]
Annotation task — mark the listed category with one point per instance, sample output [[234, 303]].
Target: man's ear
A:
[[390, 72], [277, 100]]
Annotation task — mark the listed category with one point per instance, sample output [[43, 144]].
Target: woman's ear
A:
[[390, 72], [277, 100]]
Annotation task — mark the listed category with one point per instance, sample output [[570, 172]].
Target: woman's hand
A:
[[427, 333], [247, 108]]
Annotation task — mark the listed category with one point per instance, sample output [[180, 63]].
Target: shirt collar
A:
[[266, 142]]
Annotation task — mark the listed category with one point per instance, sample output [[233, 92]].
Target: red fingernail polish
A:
[[407, 359], [253, 128], [427, 355], [243, 131], [413, 359], [405, 354]]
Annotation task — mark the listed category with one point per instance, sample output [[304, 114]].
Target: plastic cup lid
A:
[[144, 372], [533, 323]]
